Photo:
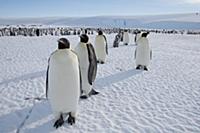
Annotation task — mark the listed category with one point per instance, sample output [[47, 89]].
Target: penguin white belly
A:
[[64, 82], [125, 38], [82, 53], [100, 48], [86, 87], [142, 53], [138, 37]]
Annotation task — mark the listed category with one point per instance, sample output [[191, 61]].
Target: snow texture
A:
[[164, 99]]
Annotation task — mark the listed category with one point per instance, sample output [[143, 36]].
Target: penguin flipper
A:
[[106, 44], [92, 71], [135, 53], [47, 76]]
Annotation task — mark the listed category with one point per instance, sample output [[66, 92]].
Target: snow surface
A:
[[166, 99], [170, 21]]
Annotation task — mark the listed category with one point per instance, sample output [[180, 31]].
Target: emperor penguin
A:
[[88, 66], [63, 83], [101, 47], [137, 36], [143, 52], [125, 37], [116, 40]]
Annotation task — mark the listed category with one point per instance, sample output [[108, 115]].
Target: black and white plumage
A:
[[126, 38], [88, 64], [143, 52], [63, 83], [101, 47]]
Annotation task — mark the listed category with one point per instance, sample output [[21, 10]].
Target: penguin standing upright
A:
[[1, 34], [63, 83], [137, 36], [88, 66], [101, 47], [143, 53], [125, 37], [116, 41], [37, 32]]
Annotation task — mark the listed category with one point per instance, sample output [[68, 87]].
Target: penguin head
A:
[[100, 32], [125, 30], [84, 38], [144, 34], [63, 43]]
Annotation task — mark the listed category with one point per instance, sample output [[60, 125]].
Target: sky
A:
[[85, 8]]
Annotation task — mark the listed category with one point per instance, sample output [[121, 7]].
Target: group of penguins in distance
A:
[[71, 73]]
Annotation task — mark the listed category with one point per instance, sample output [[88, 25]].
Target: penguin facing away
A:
[[63, 83], [143, 52], [88, 66], [101, 47]]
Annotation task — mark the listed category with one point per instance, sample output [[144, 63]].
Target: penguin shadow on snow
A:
[[129, 45], [24, 77], [106, 81], [33, 119]]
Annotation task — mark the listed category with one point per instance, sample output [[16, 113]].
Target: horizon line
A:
[[136, 15]]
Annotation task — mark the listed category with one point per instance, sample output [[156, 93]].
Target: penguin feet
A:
[[145, 68], [101, 62], [138, 67], [83, 97], [125, 43], [71, 119], [59, 122], [93, 92]]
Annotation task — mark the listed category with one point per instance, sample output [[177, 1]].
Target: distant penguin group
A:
[[71, 74], [122, 36]]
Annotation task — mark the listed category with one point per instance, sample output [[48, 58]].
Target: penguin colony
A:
[[71, 74], [39, 30]]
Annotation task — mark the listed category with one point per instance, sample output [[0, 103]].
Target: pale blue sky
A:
[[81, 8]]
